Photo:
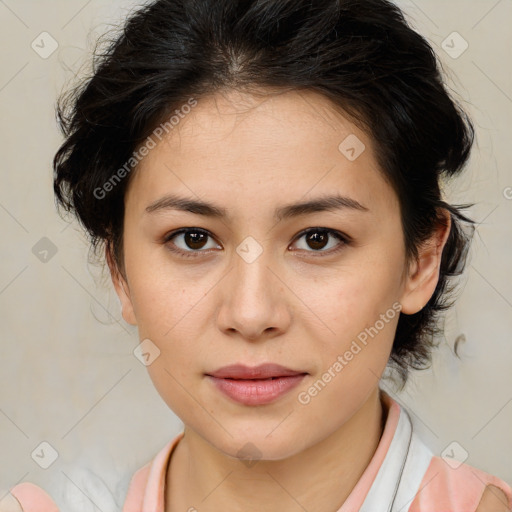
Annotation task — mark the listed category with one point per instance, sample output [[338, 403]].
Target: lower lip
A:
[[256, 392]]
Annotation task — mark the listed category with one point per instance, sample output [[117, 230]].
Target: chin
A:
[[251, 445]]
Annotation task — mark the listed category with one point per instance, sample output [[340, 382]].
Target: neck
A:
[[317, 479]]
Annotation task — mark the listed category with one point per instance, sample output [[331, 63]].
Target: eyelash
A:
[[344, 239]]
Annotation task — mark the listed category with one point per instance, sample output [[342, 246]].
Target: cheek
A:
[[160, 298], [359, 312], [171, 312], [355, 299]]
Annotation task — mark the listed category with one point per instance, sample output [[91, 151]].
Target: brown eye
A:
[[317, 239], [195, 239], [188, 241]]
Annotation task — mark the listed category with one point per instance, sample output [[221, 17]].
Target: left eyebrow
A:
[[321, 204], [207, 209]]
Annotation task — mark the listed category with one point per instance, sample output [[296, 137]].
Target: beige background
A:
[[67, 372]]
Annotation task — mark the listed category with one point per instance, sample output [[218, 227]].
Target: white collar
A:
[[401, 472]]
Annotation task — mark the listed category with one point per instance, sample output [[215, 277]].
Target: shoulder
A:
[[25, 497], [8, 503], [456, 486], [493, 500]]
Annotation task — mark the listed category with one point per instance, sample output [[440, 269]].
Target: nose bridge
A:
[[251, 275], [251, 303]]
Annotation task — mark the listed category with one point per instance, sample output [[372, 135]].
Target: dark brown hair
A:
[[360, 54]]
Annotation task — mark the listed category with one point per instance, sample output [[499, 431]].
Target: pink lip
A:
[[249, 385]]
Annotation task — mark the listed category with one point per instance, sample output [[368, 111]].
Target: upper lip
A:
[[263, 371]]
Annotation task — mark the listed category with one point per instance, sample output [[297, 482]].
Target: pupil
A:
[[317, 239], [195, 240]]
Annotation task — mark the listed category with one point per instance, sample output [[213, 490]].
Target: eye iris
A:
[[195, 239], [317, 239]]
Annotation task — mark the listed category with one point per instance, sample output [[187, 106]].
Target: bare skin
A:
[[493, 500], [8, 503], [296, 304]]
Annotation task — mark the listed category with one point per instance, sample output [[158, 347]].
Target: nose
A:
[[254, 300]]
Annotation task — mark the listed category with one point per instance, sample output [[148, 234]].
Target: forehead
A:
[[244, 149]]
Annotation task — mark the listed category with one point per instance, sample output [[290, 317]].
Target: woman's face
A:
[[248, 286]]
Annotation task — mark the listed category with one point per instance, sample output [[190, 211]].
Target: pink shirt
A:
[[403, 475]]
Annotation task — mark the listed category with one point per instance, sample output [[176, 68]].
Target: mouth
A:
[[258, 385]]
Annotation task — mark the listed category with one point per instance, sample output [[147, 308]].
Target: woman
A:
[[265, 178]]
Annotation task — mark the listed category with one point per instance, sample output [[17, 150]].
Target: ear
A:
[[423, 274], [121, 287]]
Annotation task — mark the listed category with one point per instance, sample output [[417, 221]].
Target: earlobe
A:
[[423, 274], [122, 289]]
